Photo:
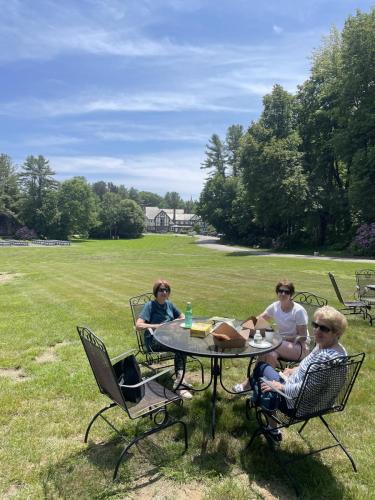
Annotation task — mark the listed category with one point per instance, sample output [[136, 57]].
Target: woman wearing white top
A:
[[291, 321]]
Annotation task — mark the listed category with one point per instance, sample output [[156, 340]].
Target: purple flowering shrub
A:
[[24, 233], [364, 241]]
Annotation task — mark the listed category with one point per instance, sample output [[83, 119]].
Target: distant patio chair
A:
[[325, 390], [153, 404], [350, 306], [365, 279]]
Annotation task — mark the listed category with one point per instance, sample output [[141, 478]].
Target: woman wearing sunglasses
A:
[[328, 326], [156, 312], [291, 322]]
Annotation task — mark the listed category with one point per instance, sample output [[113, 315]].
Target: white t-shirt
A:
[[287, 322]]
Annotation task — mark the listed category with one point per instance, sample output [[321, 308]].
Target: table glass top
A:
[[175, 337]]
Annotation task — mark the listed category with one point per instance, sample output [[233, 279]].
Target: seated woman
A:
[[291, 322], [329, 325], [154, 313]]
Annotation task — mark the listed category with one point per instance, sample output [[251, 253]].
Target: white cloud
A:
[[136, 134], [166, 171], [50, 140], [147, 101], [277, 29]]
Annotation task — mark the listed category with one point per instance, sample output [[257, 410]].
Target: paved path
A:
[[213, 242]]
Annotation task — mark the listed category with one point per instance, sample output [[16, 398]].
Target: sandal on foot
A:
[[238, 388], [184, 394], [275, 434]]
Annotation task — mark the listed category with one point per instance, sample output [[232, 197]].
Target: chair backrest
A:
[[326, 386], [310, 302], [101, 366], [336, 288], [136, 305], [363, 278]]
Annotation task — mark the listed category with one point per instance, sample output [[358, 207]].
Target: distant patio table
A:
[[176, 338]]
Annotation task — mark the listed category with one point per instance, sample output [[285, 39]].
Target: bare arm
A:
[[275, 385], [142, 325], [264, 316], [301, 332]]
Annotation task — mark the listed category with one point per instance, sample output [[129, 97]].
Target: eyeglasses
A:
[[163, 290], [283, 290], [322, 328]]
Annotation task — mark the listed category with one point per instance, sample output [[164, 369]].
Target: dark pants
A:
[[154, 346], [271, 399]]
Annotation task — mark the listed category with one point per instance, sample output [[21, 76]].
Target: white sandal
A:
[[184, 394]]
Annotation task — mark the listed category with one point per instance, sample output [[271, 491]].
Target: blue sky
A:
[[130, 91]]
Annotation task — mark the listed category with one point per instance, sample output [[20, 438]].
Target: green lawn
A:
[[48, 394]]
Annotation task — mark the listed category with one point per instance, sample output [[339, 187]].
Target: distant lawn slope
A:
[[48, 393]]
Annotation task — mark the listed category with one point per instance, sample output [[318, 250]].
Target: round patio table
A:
[[176, 338]]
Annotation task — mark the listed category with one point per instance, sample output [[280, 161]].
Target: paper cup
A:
[[268, 336]]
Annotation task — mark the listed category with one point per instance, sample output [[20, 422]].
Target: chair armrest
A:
[[145, 381], [269, 383], [122, 356]]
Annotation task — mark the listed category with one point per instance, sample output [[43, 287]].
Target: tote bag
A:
[[128, 372]]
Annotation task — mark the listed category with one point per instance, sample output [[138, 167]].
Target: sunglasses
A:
[[322, 328], [283, 290], [163, 290]]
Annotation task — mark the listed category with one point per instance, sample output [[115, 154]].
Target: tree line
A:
[[303, 174], [33, 204]]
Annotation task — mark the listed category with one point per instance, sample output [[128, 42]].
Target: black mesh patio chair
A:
[[311, 302], [325, 389], [365, 279], [350, 306], [153, 360], [152, 404]]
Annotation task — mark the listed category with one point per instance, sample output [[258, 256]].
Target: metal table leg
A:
[[215, 372]]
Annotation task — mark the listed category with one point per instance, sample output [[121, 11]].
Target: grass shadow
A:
[[88, 473], [245, 253], [312, 477]]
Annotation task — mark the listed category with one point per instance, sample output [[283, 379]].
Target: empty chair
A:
[[350, 306], [151, 401], [325, 389], [365, 279]]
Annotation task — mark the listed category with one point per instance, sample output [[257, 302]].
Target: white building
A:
[[162, 220]]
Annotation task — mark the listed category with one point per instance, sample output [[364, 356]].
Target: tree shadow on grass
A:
[[244, 253], [312, 477], [88, 473], [82, 241]]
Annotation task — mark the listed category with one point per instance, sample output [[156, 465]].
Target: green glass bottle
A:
[[188, 315]]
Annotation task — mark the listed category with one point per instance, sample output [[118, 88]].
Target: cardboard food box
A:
[[227, 335], [200, 330], [253, 323]]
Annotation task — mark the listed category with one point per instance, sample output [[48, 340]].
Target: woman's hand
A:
[[266, 388], [289, 371]]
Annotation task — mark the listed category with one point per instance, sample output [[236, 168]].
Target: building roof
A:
[[152, 212]]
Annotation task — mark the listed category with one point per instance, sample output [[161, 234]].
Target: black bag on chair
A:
[[128, 372]]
